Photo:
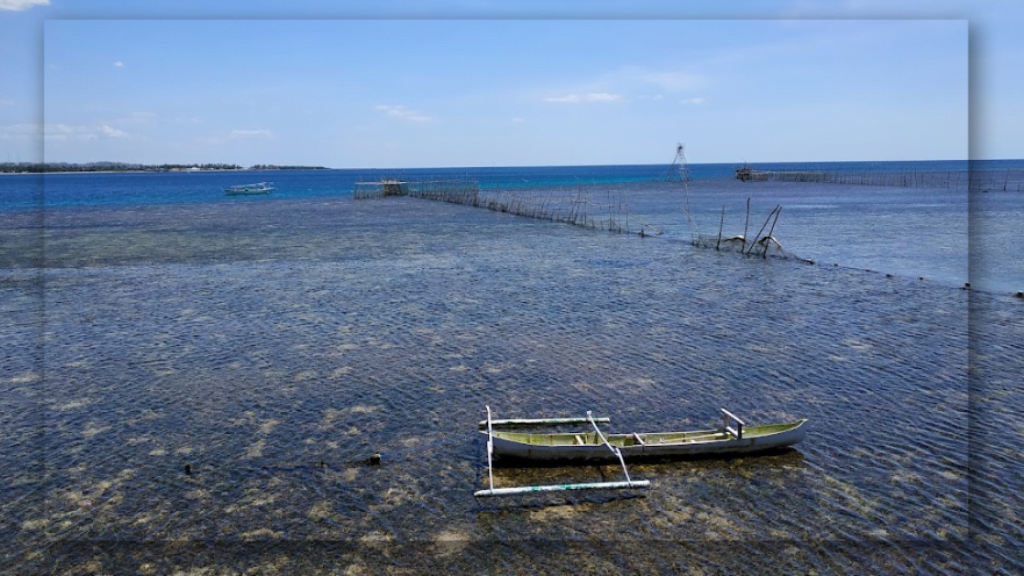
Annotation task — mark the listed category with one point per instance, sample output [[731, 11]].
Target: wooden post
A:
[[763, 226], [490, 449], [745, 224], [777, 213], [738, 430], [720, 224]]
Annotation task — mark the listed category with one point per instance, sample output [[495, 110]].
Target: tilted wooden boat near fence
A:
[[734, 437]]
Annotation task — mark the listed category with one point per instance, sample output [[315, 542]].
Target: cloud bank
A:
[[15, 5], [66, 132]]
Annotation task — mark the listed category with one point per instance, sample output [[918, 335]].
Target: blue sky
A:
[[475, 83]]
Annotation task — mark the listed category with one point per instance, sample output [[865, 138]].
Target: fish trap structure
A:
[[989, 180], [763, 244], [974, 179], [579, 205], [454, 191], [575, 204]]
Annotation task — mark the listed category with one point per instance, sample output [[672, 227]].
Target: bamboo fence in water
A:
[[981, 180], [577, 204]]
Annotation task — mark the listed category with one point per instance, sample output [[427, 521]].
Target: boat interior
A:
[[639, 439]]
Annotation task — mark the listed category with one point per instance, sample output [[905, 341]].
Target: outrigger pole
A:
[[526, 422], [492, 491]]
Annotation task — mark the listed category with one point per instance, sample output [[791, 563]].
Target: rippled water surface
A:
[[198, 387]]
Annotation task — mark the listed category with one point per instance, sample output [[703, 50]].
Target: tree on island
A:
[[276, 167], [43, 167]]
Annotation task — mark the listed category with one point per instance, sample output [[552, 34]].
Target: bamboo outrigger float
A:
[[492, 491]]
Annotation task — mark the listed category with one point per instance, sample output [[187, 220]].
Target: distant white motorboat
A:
[[248, 189]]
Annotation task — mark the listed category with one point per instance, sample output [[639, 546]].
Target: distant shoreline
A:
[[118, 172], [63, 168], [153, 171]]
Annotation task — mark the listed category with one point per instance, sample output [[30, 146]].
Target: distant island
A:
[[43, 167]]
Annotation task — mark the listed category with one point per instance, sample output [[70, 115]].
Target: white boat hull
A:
[[249, 189]]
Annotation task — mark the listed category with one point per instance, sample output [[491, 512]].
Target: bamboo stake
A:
[[772, 230], [745, 224], [763, 226], [721, 222]]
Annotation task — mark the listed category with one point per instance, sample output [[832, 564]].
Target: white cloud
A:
[[589, 97], [249, 134], [403, 113], [119, 64], [69, 132], [62, 132], [4, 102], [112, 132], [22, 4], [697, 100], [20, 132]]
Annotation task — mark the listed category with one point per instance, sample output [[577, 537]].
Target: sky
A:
[[477, 83]]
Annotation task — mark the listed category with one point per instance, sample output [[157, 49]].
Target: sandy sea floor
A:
[[271, 348]]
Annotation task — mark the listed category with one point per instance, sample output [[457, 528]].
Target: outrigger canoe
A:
[[734, 437]]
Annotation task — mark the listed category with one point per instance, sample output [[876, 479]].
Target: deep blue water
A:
[[30, 192], [939, 231]]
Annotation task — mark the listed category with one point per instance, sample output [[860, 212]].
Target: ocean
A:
[[933, 231], [195, 383]]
